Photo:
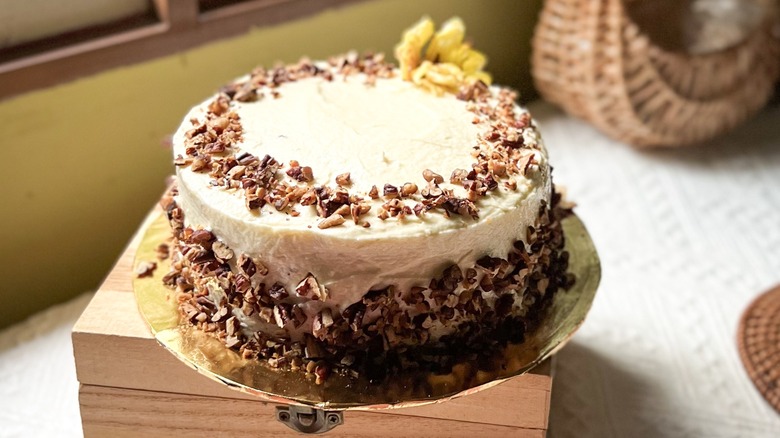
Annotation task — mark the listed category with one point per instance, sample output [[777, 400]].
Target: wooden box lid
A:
[[131, 386]]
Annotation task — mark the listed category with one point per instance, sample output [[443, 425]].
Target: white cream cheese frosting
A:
[[385, 133]]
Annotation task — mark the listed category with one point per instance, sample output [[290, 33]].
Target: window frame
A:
[[182, 25]]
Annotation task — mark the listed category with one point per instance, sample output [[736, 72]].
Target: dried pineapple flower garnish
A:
[[439, 62]]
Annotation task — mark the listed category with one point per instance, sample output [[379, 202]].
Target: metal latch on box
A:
[[308, 420]]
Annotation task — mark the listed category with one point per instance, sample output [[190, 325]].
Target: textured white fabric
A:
[[38, 387], [687, 238]]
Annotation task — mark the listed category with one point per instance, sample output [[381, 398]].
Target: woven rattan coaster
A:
[[758, 340]]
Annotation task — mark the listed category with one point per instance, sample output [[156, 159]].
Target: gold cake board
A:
[[132, 386]]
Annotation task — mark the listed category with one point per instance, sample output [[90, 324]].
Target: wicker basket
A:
[[592, 59]]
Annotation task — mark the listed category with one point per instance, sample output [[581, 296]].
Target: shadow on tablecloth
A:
[[594, 397]]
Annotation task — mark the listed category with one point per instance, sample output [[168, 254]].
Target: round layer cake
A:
[[337, 214]]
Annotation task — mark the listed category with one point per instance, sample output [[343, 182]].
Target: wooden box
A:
[[132, 386]]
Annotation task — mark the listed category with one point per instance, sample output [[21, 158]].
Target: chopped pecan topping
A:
[[390, 191], [431, 191], [242, 283], [432, 176], [343, 179], [236, 172], [232, 342], [220, 105], [321, 371], [282, 314], [310, 287], [278, 292], [330, 201], [145, 269], [247, 265], [163, 251], [201, 237], [331, 221], [182, 161], [533, 270], [458, 175], [358, 209], [354, 315], [232, 326], [299, 317], [313, 349], [246, 94], [463, 207], [526, 163], [221, 251], [201, 163], [473, 90], [300, 173], [344, 210], [322, 321], [221, 315], [408, 189]]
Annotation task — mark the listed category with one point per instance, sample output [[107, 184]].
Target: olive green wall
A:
[[84, 162]]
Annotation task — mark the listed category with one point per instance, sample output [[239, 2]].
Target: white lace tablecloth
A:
[[687, 238], [39, 393]]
